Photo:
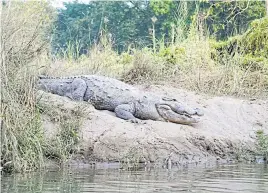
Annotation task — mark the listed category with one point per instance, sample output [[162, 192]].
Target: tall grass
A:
[[188, 63], [23, 30], [262, 144], [24, 53], [63, 139]]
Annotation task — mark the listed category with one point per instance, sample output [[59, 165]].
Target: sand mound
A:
[[228, 126]]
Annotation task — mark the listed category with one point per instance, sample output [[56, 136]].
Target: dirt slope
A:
[[227, 130]]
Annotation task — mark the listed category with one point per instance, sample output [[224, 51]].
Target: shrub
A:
[[23, 40]]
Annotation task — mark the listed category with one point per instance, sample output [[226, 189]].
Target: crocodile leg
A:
[[125, 111], [78, 89]]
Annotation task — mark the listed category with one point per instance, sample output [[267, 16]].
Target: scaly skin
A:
[[125, 100]]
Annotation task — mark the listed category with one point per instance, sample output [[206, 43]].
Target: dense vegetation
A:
[[132, 22], [206, 46]]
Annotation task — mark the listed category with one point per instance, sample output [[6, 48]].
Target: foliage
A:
[[255, 40], [66, 139], [126, 22], [262, 143], [161, 7], [187, 65], [228, 18], [83, 24], [172, 54], [252, 45], [25, 27], [144, 67], [130, 22]]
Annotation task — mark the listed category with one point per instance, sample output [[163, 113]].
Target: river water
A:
[[218, 178]]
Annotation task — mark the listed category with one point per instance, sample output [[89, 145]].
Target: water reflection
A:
[[222, 178]]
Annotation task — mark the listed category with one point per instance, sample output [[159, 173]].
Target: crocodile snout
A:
[[179, 116]]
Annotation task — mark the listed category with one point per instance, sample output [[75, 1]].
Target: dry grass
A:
[[24, 53], [64, 139], [187, 65], [200, 73], [23, 27]]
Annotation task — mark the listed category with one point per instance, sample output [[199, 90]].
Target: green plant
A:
[[24, 27], [172, 54], [251, 45], [66, 138], [262, 143]]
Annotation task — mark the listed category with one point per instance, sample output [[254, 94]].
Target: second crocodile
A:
[[126, 101]]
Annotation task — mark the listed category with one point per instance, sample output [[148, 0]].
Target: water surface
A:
[[222, 178]]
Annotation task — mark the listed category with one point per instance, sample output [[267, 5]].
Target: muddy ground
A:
[[226, 131]]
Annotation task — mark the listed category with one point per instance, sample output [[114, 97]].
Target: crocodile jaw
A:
[[181, 118]]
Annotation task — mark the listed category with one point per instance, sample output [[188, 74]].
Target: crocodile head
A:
[[173, 111], [59, 86]]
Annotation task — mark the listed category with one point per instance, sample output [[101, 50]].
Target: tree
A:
[[228, 18], [80, 26]]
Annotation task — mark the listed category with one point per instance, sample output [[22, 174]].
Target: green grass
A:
[[262, 144], [66, 136]]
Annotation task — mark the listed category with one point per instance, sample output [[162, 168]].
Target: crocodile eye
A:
[[169, 99]]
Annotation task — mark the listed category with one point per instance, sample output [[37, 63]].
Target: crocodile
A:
[[126, 101]]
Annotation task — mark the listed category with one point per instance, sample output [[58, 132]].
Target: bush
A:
[[262, 144], [252, 46], [24, 40]]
